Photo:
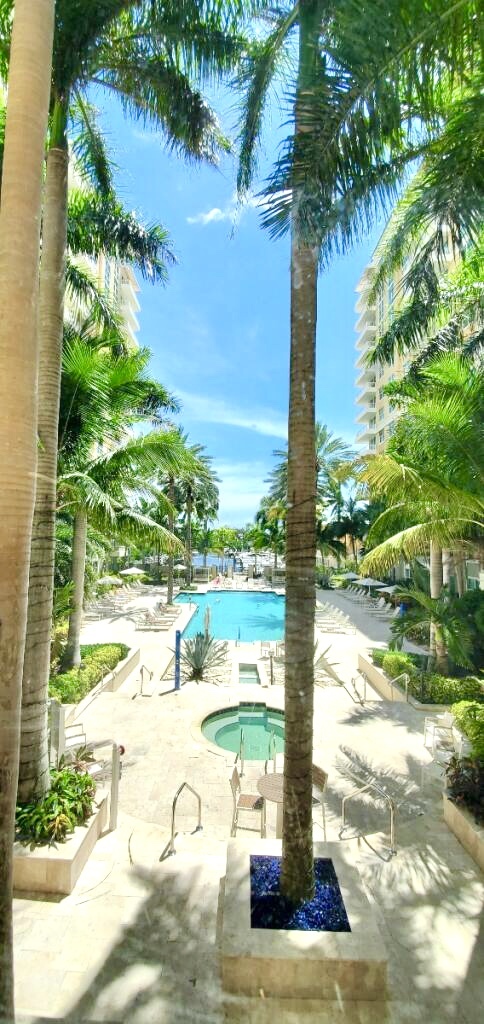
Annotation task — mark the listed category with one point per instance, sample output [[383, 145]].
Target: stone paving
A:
[[137, 940]]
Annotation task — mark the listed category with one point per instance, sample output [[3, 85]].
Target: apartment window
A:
[[372, 423], [380, 392], [391, 428], [381, 436], [372, 444], [379, 370], [372, 382], [381, 413]]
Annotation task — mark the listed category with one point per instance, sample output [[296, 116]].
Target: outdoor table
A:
[[270, 787]]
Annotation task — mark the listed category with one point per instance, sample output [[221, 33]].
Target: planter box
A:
[[112, 681], [55, 869], [299, 964], [462, 824], [390, 690]]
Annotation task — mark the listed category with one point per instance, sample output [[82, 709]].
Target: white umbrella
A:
[[348, 575], [132, 571], [388, 590], [110, 581], [369, 582]]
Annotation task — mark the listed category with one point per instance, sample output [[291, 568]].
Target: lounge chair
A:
[[246, 802]]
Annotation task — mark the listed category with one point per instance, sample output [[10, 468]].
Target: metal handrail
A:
[[241, 754], [184, 785], [372, 785], [143, 669], [116, 750], [353, 683], [405, 676]]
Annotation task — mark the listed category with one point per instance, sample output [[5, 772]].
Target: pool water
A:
[[258, 723], [237, 616], [248, 674]]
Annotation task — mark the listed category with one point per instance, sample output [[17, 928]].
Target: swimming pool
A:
[[262, 729], [237, 616]]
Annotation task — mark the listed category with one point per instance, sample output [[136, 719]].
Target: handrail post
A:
[[184, 785], [115, 773]]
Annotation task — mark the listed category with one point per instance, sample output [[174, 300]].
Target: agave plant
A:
[[201, 653]]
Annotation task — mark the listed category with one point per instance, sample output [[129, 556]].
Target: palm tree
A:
[[361, 72], [101, 491], [331, 454], [20, 213], [433, 471], [145, 68]]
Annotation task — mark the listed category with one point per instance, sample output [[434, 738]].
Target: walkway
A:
[[137, 940]]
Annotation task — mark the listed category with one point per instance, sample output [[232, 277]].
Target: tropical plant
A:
[[20, 216], [452, 637], [469, 718], [96, 661], [360, 72], [68, 803], [465, 784], [143, 51], [202, 653]]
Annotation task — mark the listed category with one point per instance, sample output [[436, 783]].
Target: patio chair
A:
[[320, 779], [246, 802], [438, 731]]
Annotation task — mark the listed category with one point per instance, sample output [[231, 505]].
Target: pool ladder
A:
[[185, 785]]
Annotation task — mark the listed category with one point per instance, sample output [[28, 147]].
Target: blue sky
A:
[[219, 331]]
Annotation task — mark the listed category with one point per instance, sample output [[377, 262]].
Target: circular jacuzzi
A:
[[261, 730]]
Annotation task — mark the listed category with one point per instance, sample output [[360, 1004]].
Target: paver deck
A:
[[137, 940]]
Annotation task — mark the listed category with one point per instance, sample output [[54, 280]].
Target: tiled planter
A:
[[55, 869], [390, 690], [462, 824]]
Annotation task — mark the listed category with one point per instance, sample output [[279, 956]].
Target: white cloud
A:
[[215, 410], [232, 211], [241, 487]]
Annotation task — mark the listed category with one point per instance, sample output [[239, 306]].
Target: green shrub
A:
[[378, 656], [465, 784], [67, 804], [97, 659], [202, 652], [394, 663], [469, 718], [431, 688]]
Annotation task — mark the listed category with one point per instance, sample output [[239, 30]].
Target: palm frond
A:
[[89, 146], [96, 224], [415, 540]]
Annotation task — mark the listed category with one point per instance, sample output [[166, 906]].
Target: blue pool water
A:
[[258, 723], [237, 616]]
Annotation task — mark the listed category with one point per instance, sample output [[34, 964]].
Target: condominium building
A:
[[376, 416]]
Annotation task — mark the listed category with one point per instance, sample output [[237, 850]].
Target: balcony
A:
[[365, 435]]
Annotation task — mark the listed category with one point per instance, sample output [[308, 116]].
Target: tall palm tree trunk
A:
[[297, 870], [297, 878], [27, 108], [72, 653], [34, 776], [171, 527], [188, 540], [438, 650]]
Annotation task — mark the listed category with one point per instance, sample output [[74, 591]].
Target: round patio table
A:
[[270, 787]]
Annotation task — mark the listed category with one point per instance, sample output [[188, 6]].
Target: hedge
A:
[[469, 718], [427, 687], [97, 660]]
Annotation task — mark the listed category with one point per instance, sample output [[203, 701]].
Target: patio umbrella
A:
[[349, 575], [132, 571], [369, 582], [388, 590], [110, 581]]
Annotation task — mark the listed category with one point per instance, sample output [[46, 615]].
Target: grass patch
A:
[[97, 660]]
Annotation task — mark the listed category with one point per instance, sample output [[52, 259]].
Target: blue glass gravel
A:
[[269, 909]]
